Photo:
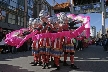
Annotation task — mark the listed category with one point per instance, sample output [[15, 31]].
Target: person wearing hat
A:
[[1, 34], [45, 42], [39, 28], [57, 45], [69, 46], [35, 44], [31, 29]]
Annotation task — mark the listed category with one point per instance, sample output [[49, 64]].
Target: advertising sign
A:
[[106, 12], [88, 8]]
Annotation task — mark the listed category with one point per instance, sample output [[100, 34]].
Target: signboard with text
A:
[[106, 12], [88, 8]]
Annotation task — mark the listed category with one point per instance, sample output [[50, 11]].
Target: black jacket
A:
[[1, 36]]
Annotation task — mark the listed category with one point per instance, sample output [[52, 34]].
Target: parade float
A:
[[17, 38], [52, 36]]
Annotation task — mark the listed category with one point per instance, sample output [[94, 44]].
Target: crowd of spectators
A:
[[103, 41]]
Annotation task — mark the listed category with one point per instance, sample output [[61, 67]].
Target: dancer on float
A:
[[30, 27], [57, 50], [44, 43], [34, 44], [69, 47]]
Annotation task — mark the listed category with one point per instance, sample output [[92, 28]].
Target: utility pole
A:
[[103, 17], [53, 2], [25, 14], [72, 4]]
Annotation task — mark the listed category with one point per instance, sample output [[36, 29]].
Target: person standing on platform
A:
[[45, 42]]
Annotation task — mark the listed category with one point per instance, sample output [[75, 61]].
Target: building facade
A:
[[99, 33], [39, 5], [93, 31], [15, 13]]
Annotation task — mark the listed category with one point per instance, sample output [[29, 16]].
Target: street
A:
[[91, 59]]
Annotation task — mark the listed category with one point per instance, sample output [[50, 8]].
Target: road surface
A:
[[92, 59]]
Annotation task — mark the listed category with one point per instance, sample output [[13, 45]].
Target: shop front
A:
[[8, 26]]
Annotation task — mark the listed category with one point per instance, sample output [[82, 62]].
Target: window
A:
[[2, 16], [21, 2], [43, 6], [19, 19], [13, 4], [11, 19], [30, 12], [5, 1], [22, 21], [30, 3], [3, 13]]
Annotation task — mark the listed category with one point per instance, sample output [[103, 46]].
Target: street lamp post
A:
[[103, 17], [72, 4]]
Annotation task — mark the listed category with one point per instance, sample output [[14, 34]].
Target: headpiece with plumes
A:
[[43, 13], [50, 19], [38, 20], [55, 19], [63, 16], [31, 20], [34, 21]]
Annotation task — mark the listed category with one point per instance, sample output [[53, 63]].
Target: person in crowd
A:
[[69, 46], [1, 34], [85, 42], [28, 44], [3, 46], [105, 44], [97, 43], [14, 50], [74, 42], [80, 43]]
